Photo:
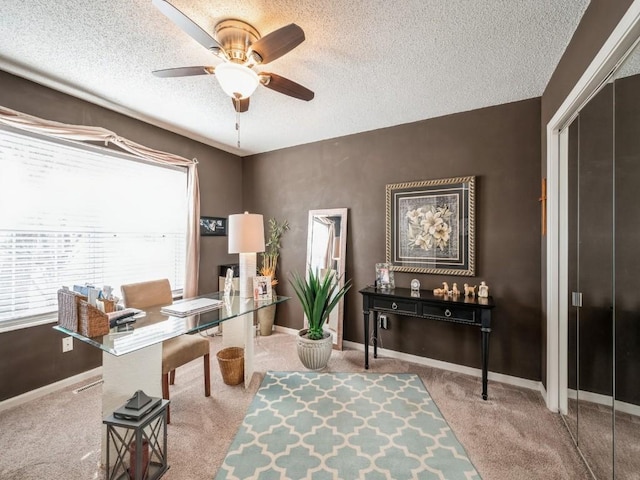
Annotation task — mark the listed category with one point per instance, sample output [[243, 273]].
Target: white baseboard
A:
[[544, 393], [453, 367], [598, 398], [290, 331], [47, 389], [429, 362], [605, 400]]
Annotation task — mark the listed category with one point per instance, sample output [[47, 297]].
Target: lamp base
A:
[[239, 332], [248, 263]]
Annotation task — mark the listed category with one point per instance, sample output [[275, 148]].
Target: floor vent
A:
[[88, 386]]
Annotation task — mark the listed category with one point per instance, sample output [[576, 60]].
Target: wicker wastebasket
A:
[[231, 361]]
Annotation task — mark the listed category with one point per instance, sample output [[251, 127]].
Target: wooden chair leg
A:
[[165, 393], [172, 377], [207, 376]]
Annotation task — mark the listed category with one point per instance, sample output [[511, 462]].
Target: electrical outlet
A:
[[67, 344], [384, 322]]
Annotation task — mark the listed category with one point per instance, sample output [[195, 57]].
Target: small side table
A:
[[143, 441]]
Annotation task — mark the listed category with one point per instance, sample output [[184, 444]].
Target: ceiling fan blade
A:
[[277, 43], [241, 105], [184, 71], [188, 26], [286, 86]]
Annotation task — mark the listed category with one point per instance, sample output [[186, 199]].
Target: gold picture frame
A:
[[430, 226]]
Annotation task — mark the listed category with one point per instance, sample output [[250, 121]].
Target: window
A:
[[73, 214]]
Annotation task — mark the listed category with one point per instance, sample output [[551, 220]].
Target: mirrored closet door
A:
[[603, 245]]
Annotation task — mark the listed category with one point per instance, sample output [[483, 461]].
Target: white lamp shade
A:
[[237, 81], [246, 233]]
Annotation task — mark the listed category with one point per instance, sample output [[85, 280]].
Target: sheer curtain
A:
[[85, 133]]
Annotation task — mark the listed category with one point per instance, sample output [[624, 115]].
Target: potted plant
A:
[[266, 316], [318, 296]]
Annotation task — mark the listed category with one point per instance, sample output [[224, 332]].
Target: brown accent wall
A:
[[499, 145], [31, 358], [596, 25]]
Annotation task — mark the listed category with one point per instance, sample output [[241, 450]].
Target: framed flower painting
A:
[[431, 226]]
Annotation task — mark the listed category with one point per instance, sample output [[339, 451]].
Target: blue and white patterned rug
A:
[[320, 426]]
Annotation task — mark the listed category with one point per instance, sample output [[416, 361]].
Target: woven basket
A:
[[75, 314], [91, 321], [231, 361], [109, 305], [68, 309]]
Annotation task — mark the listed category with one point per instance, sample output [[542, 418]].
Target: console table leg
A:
[[366, 339], [485, 358], [375, 334]]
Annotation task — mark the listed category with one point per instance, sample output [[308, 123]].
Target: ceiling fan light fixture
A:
[[237, 81]]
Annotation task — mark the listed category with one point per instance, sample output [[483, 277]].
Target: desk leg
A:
[[485, 358], [366, 339], [249, 337], [123, 376]]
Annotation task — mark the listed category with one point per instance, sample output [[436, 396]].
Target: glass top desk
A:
[[156, 327], [132, 358]]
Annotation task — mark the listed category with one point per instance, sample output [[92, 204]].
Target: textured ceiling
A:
[[371, 64]]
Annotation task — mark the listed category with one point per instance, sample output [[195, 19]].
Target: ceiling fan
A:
[[241, 47]]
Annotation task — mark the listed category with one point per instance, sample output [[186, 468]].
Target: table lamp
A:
[[246, 237]]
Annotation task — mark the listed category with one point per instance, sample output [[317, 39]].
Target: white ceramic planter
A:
[[314, 354]]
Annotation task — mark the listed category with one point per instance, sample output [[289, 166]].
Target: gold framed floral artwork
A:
[[431, 226]]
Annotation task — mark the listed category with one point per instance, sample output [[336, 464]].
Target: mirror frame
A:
[[332, 212]]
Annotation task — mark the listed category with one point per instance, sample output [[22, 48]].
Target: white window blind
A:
[[74, 214]]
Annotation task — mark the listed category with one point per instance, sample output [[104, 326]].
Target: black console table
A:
[[424, 304]]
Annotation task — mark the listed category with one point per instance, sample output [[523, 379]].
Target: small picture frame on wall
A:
[[384, 276], [213, 226]]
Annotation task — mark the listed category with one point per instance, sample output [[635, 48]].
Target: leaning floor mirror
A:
[[326, 252]]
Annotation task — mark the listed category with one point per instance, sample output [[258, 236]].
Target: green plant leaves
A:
[[272, 249], [318, 297], [276, 230]]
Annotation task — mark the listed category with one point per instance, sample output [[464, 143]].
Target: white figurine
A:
[[444, 290], [454, 290], [228, 283], [483, 290], [469, 291]]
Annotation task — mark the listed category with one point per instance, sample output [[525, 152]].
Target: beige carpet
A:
[[595, 434], [511, 436]]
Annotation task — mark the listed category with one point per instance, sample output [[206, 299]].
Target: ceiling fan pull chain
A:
[[238, 122]]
